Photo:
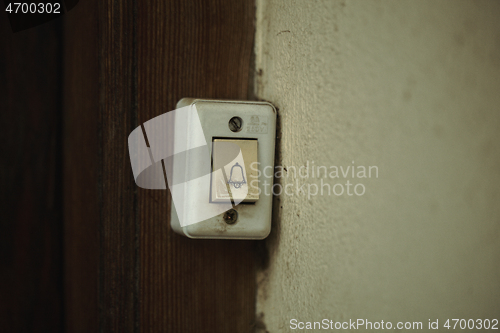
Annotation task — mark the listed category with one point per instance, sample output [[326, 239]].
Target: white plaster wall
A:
[[412, 87]]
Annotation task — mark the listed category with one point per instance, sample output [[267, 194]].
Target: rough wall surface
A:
[[412, 87]]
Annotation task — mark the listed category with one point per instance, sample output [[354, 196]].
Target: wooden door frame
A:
[[126, 62]]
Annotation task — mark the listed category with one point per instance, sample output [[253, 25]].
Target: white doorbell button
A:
[[237, 180]]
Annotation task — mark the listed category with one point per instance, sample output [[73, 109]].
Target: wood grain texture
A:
[[192, 49], [147, 55], [118, 205], [101, 222], [81, 168], [30, 180], [118, 117]]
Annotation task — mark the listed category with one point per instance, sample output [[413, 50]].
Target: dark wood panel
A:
[[101, 223], [192, 49], [30, 180], [127, 62], [118, 202], [81, 167]]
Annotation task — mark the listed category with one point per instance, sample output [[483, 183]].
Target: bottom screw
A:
[[231, 216]]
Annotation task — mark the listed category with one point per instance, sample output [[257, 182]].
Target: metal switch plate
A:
[[239, 180], [248, 214]]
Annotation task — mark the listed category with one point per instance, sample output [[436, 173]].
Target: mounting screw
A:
[[235, 124], [231, 216]]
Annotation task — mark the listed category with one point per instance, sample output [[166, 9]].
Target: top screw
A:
[[235, 124]]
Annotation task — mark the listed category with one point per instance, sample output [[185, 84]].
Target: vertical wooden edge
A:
[[80, 167], [118, 292], [100, 216], [192, 49]]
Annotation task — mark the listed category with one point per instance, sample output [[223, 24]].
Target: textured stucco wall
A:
[[412, 87]]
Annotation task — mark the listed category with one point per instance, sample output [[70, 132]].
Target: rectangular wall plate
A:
[[258, 123]]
